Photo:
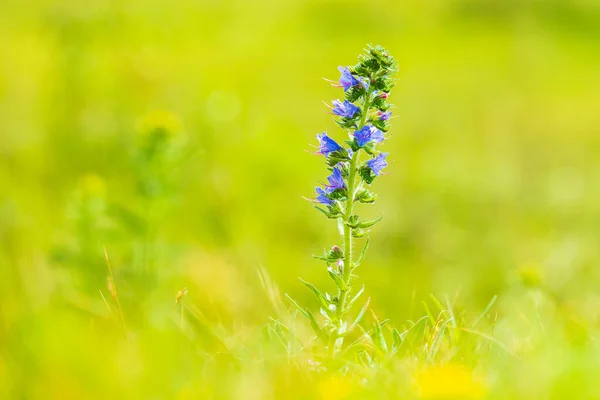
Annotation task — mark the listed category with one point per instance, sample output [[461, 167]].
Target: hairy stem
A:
[[348, 242]]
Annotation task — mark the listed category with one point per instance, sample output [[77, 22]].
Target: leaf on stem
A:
[[367, 224], [363, 253], [311, 318], [378, 337], [360, 315], [337, 279], [320, 296]]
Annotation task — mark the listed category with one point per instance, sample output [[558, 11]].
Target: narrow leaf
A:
[[340, 226], [378, 337], [327, 214], [298, 306], [360, 315], [338, 280], [396, 341], [366, 224], [351, 302], [315, 326], [320, 296], [363, 253], [487, 309], [358, 233], [365, 359]]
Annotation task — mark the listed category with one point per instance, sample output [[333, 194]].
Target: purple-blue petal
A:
[[347, 80], [327, 144], [378, 163], [384, 116], [368, 134], [376, 135], [363, 135], [322, 197], [345, 109], [336, 181]]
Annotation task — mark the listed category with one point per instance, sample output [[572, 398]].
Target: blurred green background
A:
[[493, 180]]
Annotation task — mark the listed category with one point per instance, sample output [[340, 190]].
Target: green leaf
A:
[[354, 93], [366, 174], [298, 306], [353, 221], [338, 194], [378, 337], [363, 253], [383, 126], [338, 280], [315, 325], [487, 309], [396, 342], [327, 214], [338, 156], [380, 103], [367, 224], [320, 296], [360, 315], [365, 359], [311, 318], [353, 145], [365, 196], [358, 233], [436, 342], [356, 296]]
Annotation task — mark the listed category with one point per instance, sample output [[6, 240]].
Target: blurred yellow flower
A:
[[161, 121], [450, 381], [334, 388]]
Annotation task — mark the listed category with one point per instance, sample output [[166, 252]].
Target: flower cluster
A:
[[364, 113]]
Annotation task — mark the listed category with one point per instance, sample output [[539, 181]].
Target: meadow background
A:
[[493, 190]]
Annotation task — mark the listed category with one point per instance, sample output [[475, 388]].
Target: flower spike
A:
[[364, 115]]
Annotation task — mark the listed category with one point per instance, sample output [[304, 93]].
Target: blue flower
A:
[[384, 116], [345, 109], [347, 80], [327, 144], [368, 134], [336, 181], [376, 135], [378, 163], [322, 197]]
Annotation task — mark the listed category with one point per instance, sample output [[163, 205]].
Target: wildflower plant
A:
[[353, 164]]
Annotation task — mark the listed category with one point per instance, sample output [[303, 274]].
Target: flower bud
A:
[[353, 221], [365, 196], [336, 253]]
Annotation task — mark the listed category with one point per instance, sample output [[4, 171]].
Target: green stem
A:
[[348, 253]]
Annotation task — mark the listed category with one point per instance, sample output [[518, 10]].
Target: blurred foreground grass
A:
[[493, 191]]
